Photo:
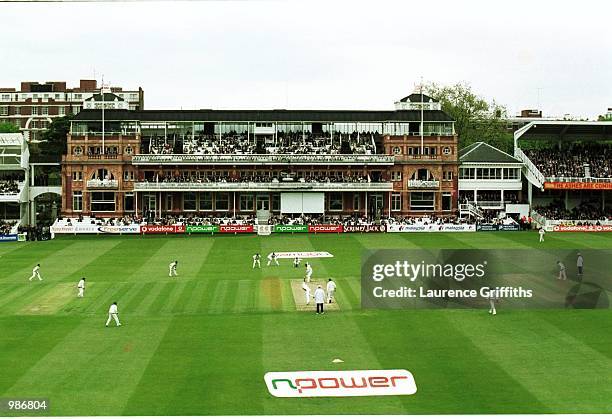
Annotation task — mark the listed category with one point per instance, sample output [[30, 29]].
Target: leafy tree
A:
[[476, 119], [53, 140], [7, 127]]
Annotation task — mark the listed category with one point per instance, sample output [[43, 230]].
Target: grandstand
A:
[[568, 165], [207, 163], [14, 160]]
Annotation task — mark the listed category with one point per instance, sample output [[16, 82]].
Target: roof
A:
[[108, 97], [568, 130], [280, 115], [418, 98], [12, 139], [481, 152]]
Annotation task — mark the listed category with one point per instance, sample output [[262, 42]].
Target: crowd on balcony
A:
[[570, 161], [284, 143], [9, 187], [6, 226], [264, 178], [510, 197], [556, 210]]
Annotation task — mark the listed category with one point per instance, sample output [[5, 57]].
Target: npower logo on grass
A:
[[340, 383]]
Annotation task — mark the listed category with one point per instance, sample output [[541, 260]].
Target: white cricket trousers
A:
[[307, 295], [172, 272], [256, 263], [81, 290], [35, 275], [113, 316]]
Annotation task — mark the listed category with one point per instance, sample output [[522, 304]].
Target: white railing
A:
[[470, 209], [425, 184], [532, 168], [263, 159], [578, 179], [263, 186], [102, 184]]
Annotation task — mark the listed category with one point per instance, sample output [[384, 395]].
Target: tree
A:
[[476, 119], [53, 140], [7, 127]]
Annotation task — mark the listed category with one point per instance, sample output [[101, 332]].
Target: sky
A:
[[552, 55]]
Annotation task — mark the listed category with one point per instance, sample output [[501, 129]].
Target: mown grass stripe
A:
[[161, 299], [183, 299], [196, 297], [173, 297], [153, 290], [216, 304]]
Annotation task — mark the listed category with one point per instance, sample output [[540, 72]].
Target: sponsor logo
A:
[[303, 255], [432, 228], [325, 228], [8, 238], [282, 228], [202, 229], [236, 228], [578, 185], [340, 383], [369, 228], [585, 229], [120, 229], [154, 229]]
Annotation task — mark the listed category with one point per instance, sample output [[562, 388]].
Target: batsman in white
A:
[[272, 258], [36, 272], [172, 268], [306, 289], [541, 232], [81, 287], [308, 271], [112, 314], [331, 290]]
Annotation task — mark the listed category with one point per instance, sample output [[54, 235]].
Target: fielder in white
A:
[[493, 297], [81, 287], [562, 272], [296, 262], [541, 232], [256, 260], [306, 289], [331, 290], [308, 271], [172, 268], [36, 272], [112, 314], [272, 258]]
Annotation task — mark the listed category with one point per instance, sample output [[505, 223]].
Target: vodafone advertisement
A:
[[236, 228], [583, 229], [154, 229], [325, 228]]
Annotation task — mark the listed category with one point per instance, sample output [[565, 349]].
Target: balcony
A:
[[423, 184], [264, 187], [263, 159], [102, 184]]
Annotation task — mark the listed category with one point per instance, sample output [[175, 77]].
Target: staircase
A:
[[469, 210], [531, 172]]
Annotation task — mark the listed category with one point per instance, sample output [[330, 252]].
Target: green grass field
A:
[[201, 344]]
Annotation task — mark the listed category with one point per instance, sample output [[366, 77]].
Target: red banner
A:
[[325, 228], [365, 229], [154, 229], [585, 229], [578, 185], [236, 228]]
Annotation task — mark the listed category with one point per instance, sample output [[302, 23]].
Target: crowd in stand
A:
[[9, 183], [585, 211], [262, 178], [571, 160], [6, 226], [285, 143]]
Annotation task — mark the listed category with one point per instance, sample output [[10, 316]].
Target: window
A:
[[206, 201], [128, 202], [34, 110], [61, 110], [128, 175], [189, 201], [76, 109], [77, 151], [77, 201], [446, 151], [447, 175], [396, 150], [222, 201], [129, 150], [77, 176], [103, 201], [246, 202], [396, 202], [446, 201], [6, 97], [356, 202], [276, 202], [44, 110], [422, 201], [17, 110], [396, 176], [335, 201], [3, 110]]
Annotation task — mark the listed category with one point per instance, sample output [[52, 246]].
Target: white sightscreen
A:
[[302, 203]]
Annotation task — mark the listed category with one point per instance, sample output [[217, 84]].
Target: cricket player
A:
[[81, 287], [306, 289], [493, 297], [331, 290], [256, 260], [272, 258], [308, 271], [319, 297], [562, 273], [112, 314], [541, 232], [580, 265], [296, 262], [36, 272], [172, 268]]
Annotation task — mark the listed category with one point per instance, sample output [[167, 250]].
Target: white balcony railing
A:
[[263, 159], [264, 186], [423, 184], [102, 184]]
